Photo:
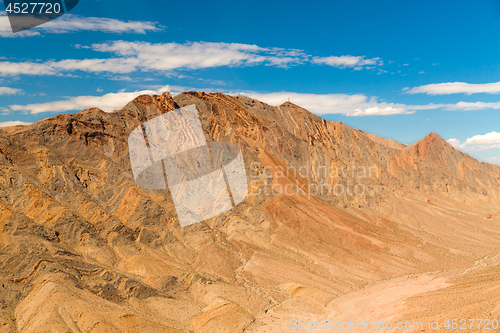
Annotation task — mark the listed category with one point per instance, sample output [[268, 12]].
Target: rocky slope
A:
[[83, 249]]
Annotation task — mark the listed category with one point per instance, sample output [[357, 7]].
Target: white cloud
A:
[[31, 68], [107, 103], [472, 106], [449, 88], [128, 57], [354, 105], [13, 123], [71, 23], [384, 109], [493, 159], [143, 56], [169, 56], [454, 142], [478, 142], [321, 104], [10, 91], [344, 61]]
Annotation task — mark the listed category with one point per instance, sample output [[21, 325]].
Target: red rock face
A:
[[84, 248]]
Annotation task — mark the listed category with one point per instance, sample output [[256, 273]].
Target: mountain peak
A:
[[150, 99], [433, 144], [434, 137], [289, 104]]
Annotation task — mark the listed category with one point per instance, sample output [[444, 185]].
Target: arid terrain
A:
[[84, 249]]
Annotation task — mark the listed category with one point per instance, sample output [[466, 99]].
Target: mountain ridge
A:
[[419, 148]]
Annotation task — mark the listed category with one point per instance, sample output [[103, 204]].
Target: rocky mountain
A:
[[338, 224]]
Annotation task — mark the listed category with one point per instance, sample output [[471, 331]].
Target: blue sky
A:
[[399, 69]]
